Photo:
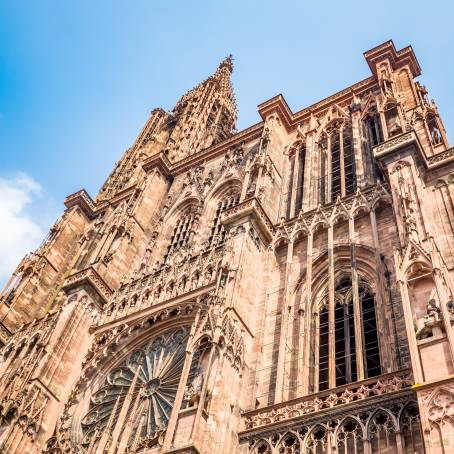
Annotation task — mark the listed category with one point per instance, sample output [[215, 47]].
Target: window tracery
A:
[[393, 123], [434, 130], [345, 338], [337, 162], [350, 437], [147, 382], [391, 429], [218, 232], [181, 232]]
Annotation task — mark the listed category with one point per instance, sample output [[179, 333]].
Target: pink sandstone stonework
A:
[[288, 288]]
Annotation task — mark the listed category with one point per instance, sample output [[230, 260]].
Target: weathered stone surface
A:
[[283, 289]]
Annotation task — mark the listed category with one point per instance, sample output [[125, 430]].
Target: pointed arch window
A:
[[393, 124], [337, 163], [347, 345], [218, 232], [372, 128], [11, 289], [434, 130], [300, 179], [181, 233]]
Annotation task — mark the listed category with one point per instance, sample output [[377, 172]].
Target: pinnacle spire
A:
[[226, 63]]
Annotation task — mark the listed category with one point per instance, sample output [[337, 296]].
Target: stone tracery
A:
[[151, 376]]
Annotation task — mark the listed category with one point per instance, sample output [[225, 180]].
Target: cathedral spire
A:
[[205, 115]]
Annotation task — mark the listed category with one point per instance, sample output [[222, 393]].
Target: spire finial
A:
[[227, 63]]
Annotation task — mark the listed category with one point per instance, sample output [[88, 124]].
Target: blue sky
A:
[[78, 78]]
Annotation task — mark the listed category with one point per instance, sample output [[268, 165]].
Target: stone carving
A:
[[430, 325], [311, 404]]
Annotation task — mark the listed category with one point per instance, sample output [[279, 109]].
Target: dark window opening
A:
[[349, 164], [218, 232], [323, 355], [180, 235]]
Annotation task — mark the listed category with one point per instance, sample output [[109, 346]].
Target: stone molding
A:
[[82, 200], [409, 138], [89, 277], [159, 162], [352, 393], [250, 208]]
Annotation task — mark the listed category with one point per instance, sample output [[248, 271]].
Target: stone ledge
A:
[[83, 201], [407, 139], [353, 393], [90, 278], [253, 209], [158, 161]]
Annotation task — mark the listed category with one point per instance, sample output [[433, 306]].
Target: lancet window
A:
[[372, 128], [337, 163], [434, 130], [393, 123], [350, 351], [11, 288], [181, 232], [218, 232]]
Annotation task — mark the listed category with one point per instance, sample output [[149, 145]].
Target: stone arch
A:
[[410, 428], [316, 440], [349, 435], [261, 447], [381, 425], [289, 443], [169, 338]]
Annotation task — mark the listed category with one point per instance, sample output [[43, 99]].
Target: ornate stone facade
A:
[[283, 289]]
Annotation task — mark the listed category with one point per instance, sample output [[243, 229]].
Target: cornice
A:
[[279, 105], [160, 162], [83, 201], [248, 134], [250, 208], [398, 143], [90, 279], [398, 59]]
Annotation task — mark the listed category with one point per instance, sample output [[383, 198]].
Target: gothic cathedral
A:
[[287, 288]]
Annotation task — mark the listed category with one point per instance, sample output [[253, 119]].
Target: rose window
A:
[[156, 370]]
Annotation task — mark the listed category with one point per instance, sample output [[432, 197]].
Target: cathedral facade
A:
[[287, 288]]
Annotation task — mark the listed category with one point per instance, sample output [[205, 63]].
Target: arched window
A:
[[323, 147], [434, 131], [344, 337], [382, 434], [289, 445], [337, 163], [218, 232], [181, 233], [11, 289], [410, 427], [393, 125], [300, 179], [372, 128], [350, 437]]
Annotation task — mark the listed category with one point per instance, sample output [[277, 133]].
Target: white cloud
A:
[[19, 233]]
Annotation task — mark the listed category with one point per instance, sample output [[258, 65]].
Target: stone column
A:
[[306, 338], [411, 338], [331, 311], [357, 312], [172, 423], [283, 330]]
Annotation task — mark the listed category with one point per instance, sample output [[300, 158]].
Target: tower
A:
[[283, 289]]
